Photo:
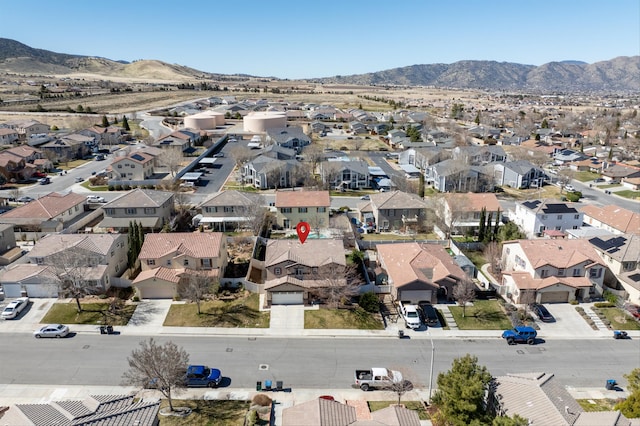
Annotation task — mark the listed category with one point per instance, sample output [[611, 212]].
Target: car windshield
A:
[[59, 327], [412, 314]]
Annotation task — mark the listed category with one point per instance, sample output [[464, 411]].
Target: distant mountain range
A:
[[618, 75]]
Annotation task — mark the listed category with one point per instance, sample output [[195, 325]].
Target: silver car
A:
[[52, 330]]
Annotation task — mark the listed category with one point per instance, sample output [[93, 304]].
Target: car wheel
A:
[[364, 387], [511, 341], [212, 385], [38, 336], [58, 336], [531, 341]]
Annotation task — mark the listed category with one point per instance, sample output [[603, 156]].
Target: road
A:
[[322, 363]]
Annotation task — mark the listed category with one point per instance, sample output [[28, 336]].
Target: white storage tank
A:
[[261, 121]]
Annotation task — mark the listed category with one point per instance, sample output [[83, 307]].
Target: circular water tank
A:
[[200, 122], [259, 122]]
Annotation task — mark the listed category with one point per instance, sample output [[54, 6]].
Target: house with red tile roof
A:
[[612, 218], [294, 207], [461, 212], [551, 271], [419, 272], [50, 213], [178, 253], [135, 166]]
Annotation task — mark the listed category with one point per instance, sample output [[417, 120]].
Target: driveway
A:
[[29, 319], [567, 319]]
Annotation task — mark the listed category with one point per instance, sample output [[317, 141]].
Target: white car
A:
[[52, 330], [95, 199], [13, 309], [410, 315], [569, 188]]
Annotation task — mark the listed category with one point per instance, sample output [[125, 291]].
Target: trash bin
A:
[[267, 385], [258, 386], [401, 333], [611, 384], [109, 329], [103, 329]]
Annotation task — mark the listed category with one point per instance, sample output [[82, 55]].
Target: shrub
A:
[[252, 418], [261, 399], [574, 196], [135, 298], [604, 305], [580, 310], [573, 302], [610, 297], [369, 302], [111, 188]]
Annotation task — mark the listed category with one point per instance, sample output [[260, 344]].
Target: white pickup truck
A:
[[377, 378]]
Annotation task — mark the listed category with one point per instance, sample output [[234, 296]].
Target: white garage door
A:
[[415, 296], [287, 298], [12, 290], [554, 297], [156, 291], [33, 290]]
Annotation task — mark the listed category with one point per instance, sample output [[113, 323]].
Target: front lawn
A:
[[627, 193], [411, 405], [388, 236], [483, 315], [92, 313], [208, 412], [585, 176], [597, 404], [358, 319], [619, 320], [242, 312]]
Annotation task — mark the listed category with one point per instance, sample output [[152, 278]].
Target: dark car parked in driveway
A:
[[542, 313], [428, 313]]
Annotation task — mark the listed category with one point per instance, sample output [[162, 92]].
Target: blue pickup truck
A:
[[520, 334], [202, 376]]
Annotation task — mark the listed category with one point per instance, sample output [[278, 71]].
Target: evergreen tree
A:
[[477, 120], [545, 124], [125, 123], [140, 239], [131, 248], [105, 121], [496, 227], [610, 156], [481, 225], [487, 236]]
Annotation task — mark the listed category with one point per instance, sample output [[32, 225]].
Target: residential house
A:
[[564, 156], [541, 400], [265, 172], [616, 172], [612, 218], [345, 173], [398, 211], [111, 135], [297, 273], [149, 208], [279, 152], [419, 272], [69, 147], [520, 174], [478, 155], [294, 207], [318, 127], [8, 136], [9, 251], [455, 176], [178, 253], [321, 411], [11, 166], [357, 127], [26, 128], [98, 258], [50, 213], [288, 137], [93, 410], [621, 254], [550, 271], [136, 166], [538, 218], [28, 153], [180, 140], [34, 280], [460, 213], [229, 210]]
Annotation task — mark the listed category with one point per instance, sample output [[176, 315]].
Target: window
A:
[[476, 215], [112, 253], [151, 262], [206, 263], [576, 216], [544, 216], [130, 210], [559, 217], [322, 209], [561, 272], [595, 272], [168, 262], [576, 272], [302, 209], [277, 271], [628, 266], [285, 210], [508, 250], [544, 273], [558, 228], [119, 166], [298, 272], [229, 209], [149, 210], [186, 262], [110, 212]]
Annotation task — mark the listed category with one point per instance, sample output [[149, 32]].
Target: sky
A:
[[310, 39]]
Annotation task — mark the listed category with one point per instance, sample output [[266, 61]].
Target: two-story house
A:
[[166, 258], [180, 140], [9, 251], [11, 166], [521, 174], [345, 173], [621, 254], [50, 213], [398, 211], [612, 218], [539, 218], [229, 210], [149, 208], [454, 176], [8, 136], [419, 272], [461, 213], [294, 207], [297, 272], [551, 271], [266, 172], [288, 137], [69, 147], [135, 166], [26, 128]]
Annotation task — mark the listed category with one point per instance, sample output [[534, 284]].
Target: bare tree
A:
[[331, 172], [314, 155], [464, 292], [338, 287], [196, 285], [450, 210], [161, 365], [564, 178], [527, 298], [240, 154], [257, 214], [494, 256], [172, 160], [399, 385], [71, 268], [274, 176]]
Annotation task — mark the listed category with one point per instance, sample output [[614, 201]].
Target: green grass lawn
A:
[[87, 185], [483, 315], [358, 319], [208, 413], [411, 405], [627, 193], [71, 164], [391, 236], [477, 257], [597, 404], [242, 312], [67, 313], [620, 320], [608, 186], [585, 176]]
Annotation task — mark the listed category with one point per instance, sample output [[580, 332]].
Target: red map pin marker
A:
[[303, 231]]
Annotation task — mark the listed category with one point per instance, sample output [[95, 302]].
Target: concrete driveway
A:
[[568, 322]]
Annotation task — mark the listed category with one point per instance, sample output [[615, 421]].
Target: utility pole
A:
[[433, 354]]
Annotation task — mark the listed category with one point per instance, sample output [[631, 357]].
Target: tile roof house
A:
[[537, 218], [178, 252], [620, 171], [53, 212], [461, 212], [612, 218], [180, 140], [295, 273], [302, 206], [100, 257], [229, 210], [27, 152], [26, 128], [135, 166], [398, 211], [621, 253], [419, 272], [542, 401], [36, 280], [105, 410], [11, 166], [152, 209], [553, 271]]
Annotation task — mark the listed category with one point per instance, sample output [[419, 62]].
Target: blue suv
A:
[[520, 334], [201, 376]]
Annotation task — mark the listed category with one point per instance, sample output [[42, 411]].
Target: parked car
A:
[[79, 179], [25, 199], [96, 199], [598, 180], [542, 313], [52, 330], [410, 315], [365, 197], [520, 334], [634, 310], [202, 376], [219, 155], [100, 157], [39, 175], [13, 309], [44, 181], [569, 188], [428, 313]]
